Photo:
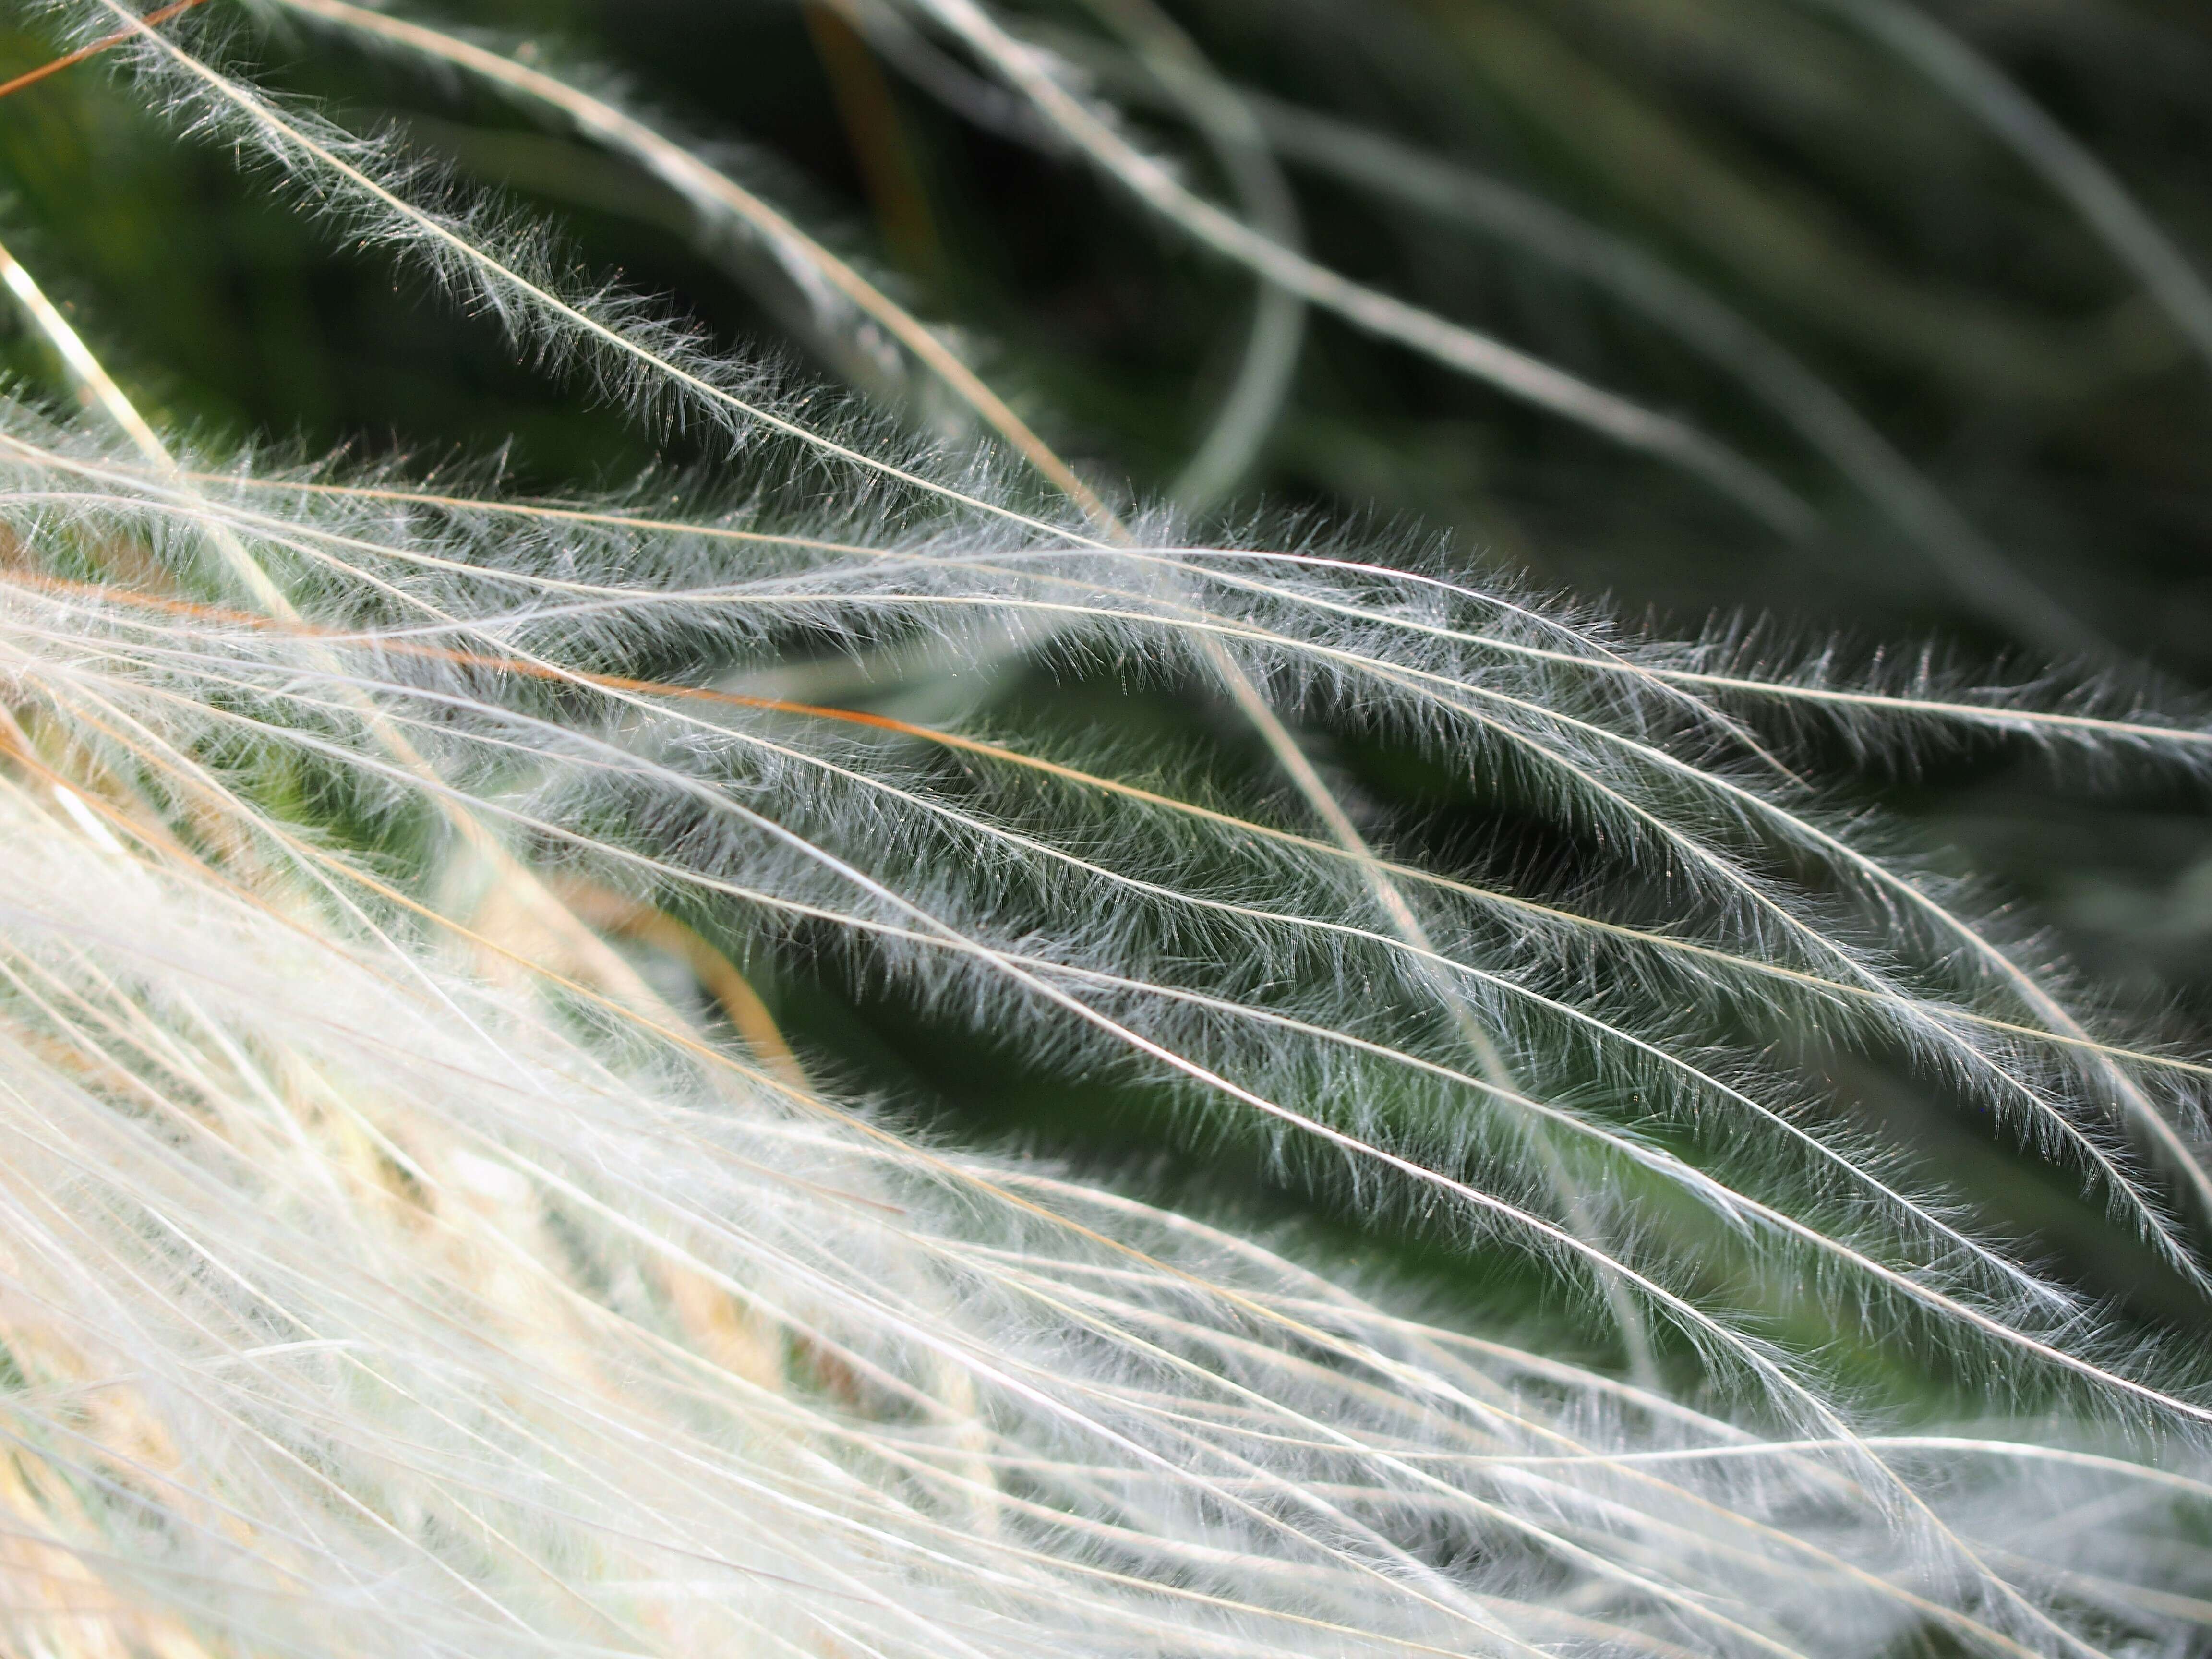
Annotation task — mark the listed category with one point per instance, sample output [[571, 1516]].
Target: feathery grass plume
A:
[[416, 1233]]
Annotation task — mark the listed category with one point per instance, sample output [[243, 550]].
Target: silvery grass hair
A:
[[417, 1237]]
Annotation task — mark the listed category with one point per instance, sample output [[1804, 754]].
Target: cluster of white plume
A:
[[394, 1259]]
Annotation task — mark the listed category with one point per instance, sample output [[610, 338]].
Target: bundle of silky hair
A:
[[416, 1236]]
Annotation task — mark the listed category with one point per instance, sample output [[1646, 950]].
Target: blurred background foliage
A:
[[1760, 155]]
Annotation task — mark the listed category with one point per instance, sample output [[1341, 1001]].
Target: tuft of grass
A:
[[779, 1018]]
